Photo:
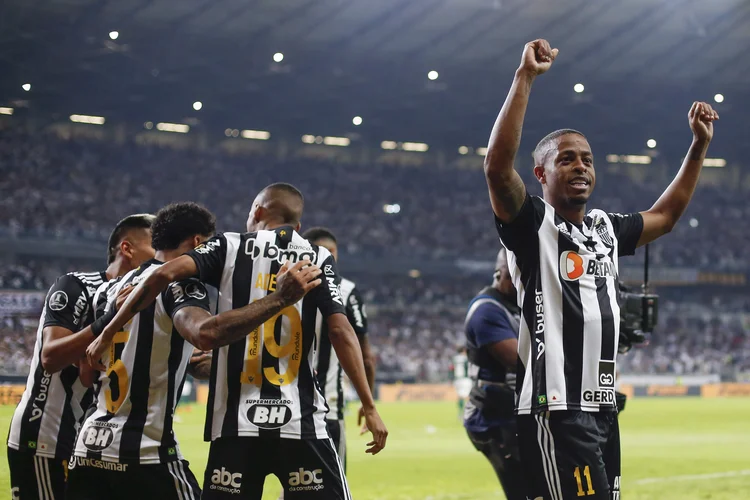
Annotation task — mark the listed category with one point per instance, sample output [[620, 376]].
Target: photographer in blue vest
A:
[[491, 329]]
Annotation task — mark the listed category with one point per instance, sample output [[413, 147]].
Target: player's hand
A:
[[123, 296], [199, 356], [293, 282], [361, 421], [701, 118], [538, 57], [95, 351], [378, 429]]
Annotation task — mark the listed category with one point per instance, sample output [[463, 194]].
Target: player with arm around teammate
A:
[[127, 445], [43, 428], [564, 262], [491, 330], [265, 413]]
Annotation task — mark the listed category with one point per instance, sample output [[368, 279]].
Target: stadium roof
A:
[[642, 63]]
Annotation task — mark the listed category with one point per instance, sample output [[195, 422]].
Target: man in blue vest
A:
[[491, 329]]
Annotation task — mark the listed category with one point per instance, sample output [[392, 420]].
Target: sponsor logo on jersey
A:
[[270, 415], [357, 311], [305, 480], [98, 438], [226, 482], [539, 328], [606, 373], [293, 253], [58, 300], [195, 291], [80, 309], [599, 396], [334, 289], [208, 246], [37, 406], [573, 267], [328, 270]]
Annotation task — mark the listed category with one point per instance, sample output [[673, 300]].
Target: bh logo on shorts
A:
[[573, 267], [225, 481], [305, 480]]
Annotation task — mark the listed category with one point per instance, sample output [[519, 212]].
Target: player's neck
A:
[[572, 213], [171, 254], [118, 268]]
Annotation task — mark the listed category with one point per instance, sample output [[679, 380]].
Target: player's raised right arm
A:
[[507, 191]]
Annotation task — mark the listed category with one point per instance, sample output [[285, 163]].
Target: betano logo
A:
[[573, 267]]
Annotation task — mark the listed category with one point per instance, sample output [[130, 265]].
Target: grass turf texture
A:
[[429, 457]]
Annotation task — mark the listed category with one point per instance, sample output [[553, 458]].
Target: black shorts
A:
[[91, 479], [337, 431], [571, 454], [307, 469], [35, 477]]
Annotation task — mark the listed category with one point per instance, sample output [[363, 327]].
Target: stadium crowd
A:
[[55, 188]]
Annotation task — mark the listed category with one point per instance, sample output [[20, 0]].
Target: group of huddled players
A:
[[113, 350]]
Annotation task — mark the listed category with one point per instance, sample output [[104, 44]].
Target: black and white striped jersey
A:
[[146, 364], [264, 385], [566, 277], [330, 373], [46, 419]]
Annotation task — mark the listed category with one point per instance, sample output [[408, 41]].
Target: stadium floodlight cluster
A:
[[419, 147], [179, 128], [464, 150], [6, 111], [88, 119], [631, 159]]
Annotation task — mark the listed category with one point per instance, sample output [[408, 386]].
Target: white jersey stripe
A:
[[553, 321]]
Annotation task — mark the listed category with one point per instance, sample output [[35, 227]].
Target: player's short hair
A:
[[541, 149], [319, 233], [135, 221], [179, 221], [285, 202]]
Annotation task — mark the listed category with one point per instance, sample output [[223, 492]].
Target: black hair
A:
[[135, 221], [288, 211], [540, 151], [178, 221], [319, 233]]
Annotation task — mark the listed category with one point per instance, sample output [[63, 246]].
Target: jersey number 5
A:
[[291, 351], [117, 374]]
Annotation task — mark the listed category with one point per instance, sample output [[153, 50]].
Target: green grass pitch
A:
[[672, 449]]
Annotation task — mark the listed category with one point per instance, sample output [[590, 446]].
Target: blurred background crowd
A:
[[54, 190]]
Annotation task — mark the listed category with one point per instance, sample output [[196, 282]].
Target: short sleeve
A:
[[209, 258], [628, 229], [68, 304], [355, 311], [327, 295], [489, 324], [185, 293], [520, 233]]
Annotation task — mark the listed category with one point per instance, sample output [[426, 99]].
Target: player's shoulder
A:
[[348, 283], [76, 280]]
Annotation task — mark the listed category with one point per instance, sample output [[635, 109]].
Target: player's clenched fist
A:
[[537, 57], [701, 118]]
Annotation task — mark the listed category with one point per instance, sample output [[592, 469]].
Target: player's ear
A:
[[298, 227], [126, 249], [539, 173]]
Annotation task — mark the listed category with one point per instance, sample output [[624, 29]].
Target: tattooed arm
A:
[[507, 191]]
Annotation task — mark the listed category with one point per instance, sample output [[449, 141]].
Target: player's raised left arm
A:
[[664, 214]]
